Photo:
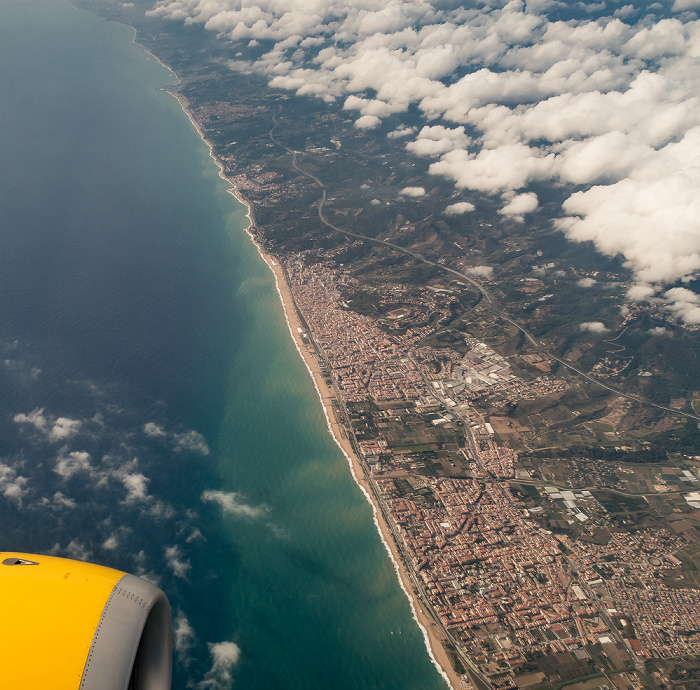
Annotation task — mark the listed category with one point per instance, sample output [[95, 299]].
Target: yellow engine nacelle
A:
[[68, 625]]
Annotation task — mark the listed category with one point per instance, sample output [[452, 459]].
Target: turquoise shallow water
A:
[[154, 413]]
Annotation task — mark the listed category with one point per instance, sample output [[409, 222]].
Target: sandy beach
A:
[[432, 632]]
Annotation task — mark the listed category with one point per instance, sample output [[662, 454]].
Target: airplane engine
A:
[[69, 625]]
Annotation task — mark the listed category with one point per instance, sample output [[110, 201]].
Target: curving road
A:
[[493, 305]]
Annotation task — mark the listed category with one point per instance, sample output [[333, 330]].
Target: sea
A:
[[155, 415]]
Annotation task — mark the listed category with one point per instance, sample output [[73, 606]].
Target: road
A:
[[486, 294]]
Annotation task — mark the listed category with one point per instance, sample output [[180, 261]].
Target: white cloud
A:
[[400, 132], [506, 168], [60, 500], [64, 428], [177, 562], [192, 441], [184, 441], [367, 122], [586, 282], [136, 485], [59, 429], [153, 430], [413, 191], [36, 418], [684, 303], [369, 106], [459, 208], [111, 543], [69, 464], [649, 222], [682, 5], [508, 96], [141, 570], [225, 656], [12, 485], [519, 205], [640, 292], [480, 272], [195, 535], [437, 140], [75, 549], [161, 510], [231, 503], [625, 11], [183, 637], [593, 327]]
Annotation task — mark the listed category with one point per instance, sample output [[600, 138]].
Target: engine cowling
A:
[[70, 625]]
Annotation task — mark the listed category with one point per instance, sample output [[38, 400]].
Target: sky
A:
[[599, 99]]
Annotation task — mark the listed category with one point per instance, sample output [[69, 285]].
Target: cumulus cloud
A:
[[459, 208], [195, 535], [506, 168], [183, 441], [652, 223], [400, 132], [12, 485], [177, 562], [225, 656], [681, 5], [480, 272], [35, 418], [69, 464], [684, 303], [367, 122], [191, 441], [22, 369], [153, 430], [586, 282], [183, 637], [231, 503], [607, 107], [60, 500], [412, 191], [436, 140], [640, 292], [136, 485], [140, 569], [519, 205], [64, 428], [121, 535], [75, 549], [593, 327], [111, 543], [60, 429]]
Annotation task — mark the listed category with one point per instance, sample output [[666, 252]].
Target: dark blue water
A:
[[154, 414]]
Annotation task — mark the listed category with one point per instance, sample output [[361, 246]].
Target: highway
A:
[[486, 294]]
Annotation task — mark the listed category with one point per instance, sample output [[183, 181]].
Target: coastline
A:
[[432, 632]]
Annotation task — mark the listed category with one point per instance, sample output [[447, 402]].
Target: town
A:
[[523, 605]]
